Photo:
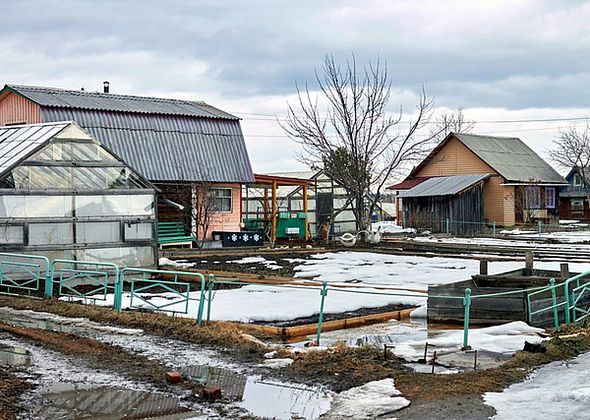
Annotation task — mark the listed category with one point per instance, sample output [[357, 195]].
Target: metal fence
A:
[[92, 281], [537, 230]]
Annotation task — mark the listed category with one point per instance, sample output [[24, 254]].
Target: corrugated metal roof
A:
[[443, 185], [511, 158], [61, 98], [167, 148], [19, 141]]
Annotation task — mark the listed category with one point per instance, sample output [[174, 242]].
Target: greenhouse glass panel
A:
[[48, 206], [12, 206], [138, 231], [50, 233], [141, 205], [132, 257], [12, 234], [98, 232]]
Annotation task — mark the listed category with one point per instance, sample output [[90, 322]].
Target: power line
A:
[[283, 118]]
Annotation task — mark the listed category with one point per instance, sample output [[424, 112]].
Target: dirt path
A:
[[11, 387], [102, 356]]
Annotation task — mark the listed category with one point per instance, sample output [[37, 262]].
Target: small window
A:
[[577, 205], [550, 198], [222, 199], [577, 180], [533, 197]]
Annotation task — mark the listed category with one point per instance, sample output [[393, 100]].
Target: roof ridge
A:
[[486, 136], [51, 97], [56, 90]]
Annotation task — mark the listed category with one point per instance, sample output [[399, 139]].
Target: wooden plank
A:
[[288, 333], [491, 304]]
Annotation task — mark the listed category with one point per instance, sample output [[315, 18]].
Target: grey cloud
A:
[[262, 48]]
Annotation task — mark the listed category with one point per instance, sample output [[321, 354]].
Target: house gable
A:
[[452, 157], [16, 109]]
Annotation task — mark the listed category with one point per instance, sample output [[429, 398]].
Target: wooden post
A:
[[483, 268], [528, 260], [564, 269], [305, 208], [274, 211], [265, 205]]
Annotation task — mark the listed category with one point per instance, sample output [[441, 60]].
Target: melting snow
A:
[[559, 390], [371, 400]]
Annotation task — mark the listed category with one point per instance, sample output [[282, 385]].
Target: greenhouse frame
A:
[[65, 196]]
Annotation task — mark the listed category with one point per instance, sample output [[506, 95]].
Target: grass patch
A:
[[221, 334], [344, 367]]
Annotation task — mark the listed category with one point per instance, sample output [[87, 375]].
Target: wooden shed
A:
[[438, 202], [519, 185]]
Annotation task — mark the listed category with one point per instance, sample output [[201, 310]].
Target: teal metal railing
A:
[[142, 282], [570, 297], [86, 279], [23, 273]]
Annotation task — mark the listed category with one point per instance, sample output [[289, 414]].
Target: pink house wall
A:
[[228, 221], [16, 109]]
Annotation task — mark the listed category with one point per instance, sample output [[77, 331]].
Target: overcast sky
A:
[[499, 60]]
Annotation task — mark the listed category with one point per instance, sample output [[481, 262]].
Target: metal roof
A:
[[511, 158], [61, 98], [443, 185], [167, 148], [19, 141]]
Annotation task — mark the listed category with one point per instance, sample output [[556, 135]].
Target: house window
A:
[[577, 205], [577, 180], [221, 199], [533, 197], [550, 198]]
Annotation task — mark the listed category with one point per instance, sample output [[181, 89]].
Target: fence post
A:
[[210, 296], [201, 300], [323, 293], [467, 305], [48, 293], [539, 224], [554, 303], [119, 276], [494, 228], [566, 295]]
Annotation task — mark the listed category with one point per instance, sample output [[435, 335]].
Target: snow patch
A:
[[559, 390], [176, 264], [371, 400], [507, 338]]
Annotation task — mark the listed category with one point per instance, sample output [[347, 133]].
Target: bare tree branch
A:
[[356, 139]]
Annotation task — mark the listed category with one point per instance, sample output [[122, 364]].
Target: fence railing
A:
[[538, 229], [570, 297]]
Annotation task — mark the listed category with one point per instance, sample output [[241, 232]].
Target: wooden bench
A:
[[173, 233]]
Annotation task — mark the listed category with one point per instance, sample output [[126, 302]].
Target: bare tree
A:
[[355, 138], [451, 122], [205, 206], [572, 150]]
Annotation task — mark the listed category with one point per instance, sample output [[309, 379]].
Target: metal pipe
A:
[[554, 304], [323, 293], [467, 305], [210, 296]]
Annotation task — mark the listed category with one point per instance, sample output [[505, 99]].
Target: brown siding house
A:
[[519, 187]]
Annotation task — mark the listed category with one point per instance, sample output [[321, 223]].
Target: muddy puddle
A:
[[264, 398], [69, 401]]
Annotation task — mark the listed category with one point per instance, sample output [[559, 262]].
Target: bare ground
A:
[[340, 368]]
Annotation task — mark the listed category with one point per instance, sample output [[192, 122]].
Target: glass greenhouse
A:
[[64, 195]]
